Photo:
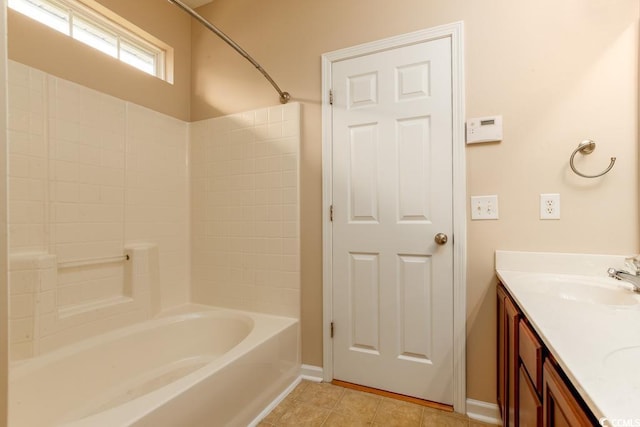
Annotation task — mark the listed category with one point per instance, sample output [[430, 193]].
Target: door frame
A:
[[454, 31], [4, 232]]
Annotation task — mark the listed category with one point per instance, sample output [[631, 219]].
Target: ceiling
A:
[[196, 3]]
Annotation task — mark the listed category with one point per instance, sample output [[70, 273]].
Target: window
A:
[[92, 27]]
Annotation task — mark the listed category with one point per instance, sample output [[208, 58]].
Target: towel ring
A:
[[586, 147]]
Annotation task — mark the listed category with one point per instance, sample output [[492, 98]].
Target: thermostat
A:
[[484, 129]]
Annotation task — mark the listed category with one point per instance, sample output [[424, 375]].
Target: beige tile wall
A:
[[88, 175], [85, 135], [28, 166], [39, 322], [245, 210], [92, 176], [157, 195]]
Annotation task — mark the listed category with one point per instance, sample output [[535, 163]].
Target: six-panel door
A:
[[392, 193]]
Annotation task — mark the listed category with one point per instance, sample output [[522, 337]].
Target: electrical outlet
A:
[[484, 207], [550, 206]]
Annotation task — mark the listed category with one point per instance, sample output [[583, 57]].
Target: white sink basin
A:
[[624, 362], [627, 357], [593, 290]]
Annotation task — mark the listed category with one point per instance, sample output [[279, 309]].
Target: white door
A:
[[392, 194]]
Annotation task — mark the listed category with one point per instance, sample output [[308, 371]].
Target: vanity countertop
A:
[[593, 333]]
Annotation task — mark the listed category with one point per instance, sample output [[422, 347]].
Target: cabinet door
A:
[[560, 408], [512, 356], [502, 347], [530, 408], [531, 354]]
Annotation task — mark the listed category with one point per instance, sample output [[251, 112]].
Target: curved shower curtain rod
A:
[[284, 96]]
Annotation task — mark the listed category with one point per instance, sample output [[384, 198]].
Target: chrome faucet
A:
[[632, 278]]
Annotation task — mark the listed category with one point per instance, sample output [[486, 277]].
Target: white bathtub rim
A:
[[23, 367], [132, 411], [91, 408], [167, 317]]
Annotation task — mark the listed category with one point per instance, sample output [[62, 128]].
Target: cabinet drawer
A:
[[530, 350]]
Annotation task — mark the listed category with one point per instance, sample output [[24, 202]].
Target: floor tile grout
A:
[[375, 412]]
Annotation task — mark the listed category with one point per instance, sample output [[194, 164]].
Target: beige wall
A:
[[559, 72], [40, 47]]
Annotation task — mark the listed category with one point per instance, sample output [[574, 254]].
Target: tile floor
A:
[[327, 405]]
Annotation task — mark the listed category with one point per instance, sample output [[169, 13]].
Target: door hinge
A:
[[331, 213], [330, 96], [331, 329]]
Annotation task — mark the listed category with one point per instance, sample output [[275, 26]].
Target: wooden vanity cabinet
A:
[[531, 390], [513, 387], [508, 319], [561, 408], [530, 406], [501, 351]]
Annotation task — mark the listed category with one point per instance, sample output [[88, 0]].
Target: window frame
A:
[[96, 17]]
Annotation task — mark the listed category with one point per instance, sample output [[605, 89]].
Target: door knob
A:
[[441, 238]]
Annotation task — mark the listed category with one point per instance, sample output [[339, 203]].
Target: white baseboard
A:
[[307, 372], [311, 373], [483, 411], [274, 403]]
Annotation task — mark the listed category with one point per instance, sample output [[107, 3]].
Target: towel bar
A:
[[586, 147]]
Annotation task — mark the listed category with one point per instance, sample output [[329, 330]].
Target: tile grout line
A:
[[375, 413], [332, 410], [422, 417]]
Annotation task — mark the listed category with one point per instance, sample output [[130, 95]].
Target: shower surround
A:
[[89, 175], [244, 210], [208, 211]]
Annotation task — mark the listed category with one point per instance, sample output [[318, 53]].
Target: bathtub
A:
[[199, 366]]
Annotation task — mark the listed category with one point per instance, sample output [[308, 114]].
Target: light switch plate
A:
[[484, 207]]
